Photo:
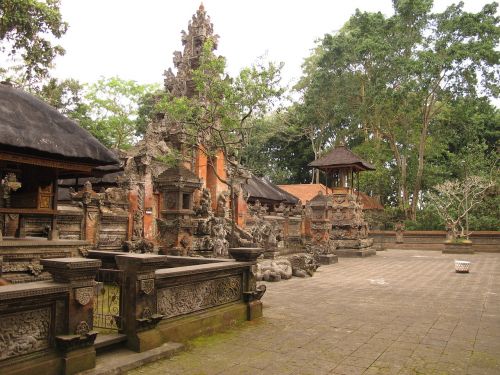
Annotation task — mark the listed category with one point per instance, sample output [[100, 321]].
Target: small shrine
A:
[[176, 187], [349, 230]]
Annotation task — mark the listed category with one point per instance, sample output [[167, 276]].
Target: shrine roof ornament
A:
[[28, 125], [342, 157]]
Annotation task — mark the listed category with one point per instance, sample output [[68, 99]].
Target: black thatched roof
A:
[[30, 126], [339, 157], [260, 188]]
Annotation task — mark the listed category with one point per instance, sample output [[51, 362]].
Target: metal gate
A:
[[108, 300]]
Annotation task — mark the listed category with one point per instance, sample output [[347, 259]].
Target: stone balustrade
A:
[[48, 324]]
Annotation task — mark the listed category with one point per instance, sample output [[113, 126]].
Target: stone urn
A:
[[246, 254], [458, 247]]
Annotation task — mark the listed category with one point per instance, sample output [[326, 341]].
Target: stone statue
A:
[[219, 233], [222, 204], [204, 209], [274, 270], [303, 265], [137, 233]]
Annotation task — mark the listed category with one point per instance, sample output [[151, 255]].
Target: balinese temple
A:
[[348, 230], [38, 146]]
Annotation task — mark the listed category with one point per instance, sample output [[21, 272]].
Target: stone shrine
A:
[[342, 207]]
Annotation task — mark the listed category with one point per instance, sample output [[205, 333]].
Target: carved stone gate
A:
[[108, 300]]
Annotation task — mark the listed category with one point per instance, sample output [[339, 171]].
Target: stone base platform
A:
[[205, 322], [458, 248], [328, 259], [355, 253]]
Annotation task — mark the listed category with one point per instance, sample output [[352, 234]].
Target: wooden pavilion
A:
[[38, 146], [342, 168]]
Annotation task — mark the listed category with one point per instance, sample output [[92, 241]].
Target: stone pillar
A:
[[399, 228], [77, 345], [139, 300], [91, 223], [252, 293]]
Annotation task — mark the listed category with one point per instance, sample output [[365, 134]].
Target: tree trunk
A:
[[420, 166]]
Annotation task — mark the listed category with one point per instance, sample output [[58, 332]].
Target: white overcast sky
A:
[[135, 39]]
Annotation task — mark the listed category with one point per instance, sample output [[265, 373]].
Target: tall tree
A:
[[27, 28], [396, 78], [113, 105], [225, 112]]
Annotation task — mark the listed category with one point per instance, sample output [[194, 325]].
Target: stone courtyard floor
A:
[[400, 312]]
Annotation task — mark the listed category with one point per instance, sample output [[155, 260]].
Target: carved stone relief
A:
[[148, 286], [185, 299], [84, 295], [82, 328], [24, 332]]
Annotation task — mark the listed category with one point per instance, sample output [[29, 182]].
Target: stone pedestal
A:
[[326, 259], [322, 247], [139, 300], [349, 229], [458, 248], [252, 293], [77, 345]]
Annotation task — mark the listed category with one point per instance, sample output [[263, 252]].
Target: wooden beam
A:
[[44, 162]]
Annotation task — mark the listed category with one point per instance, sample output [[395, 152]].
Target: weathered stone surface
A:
[[403, 312], [185, 299], [24, 332]]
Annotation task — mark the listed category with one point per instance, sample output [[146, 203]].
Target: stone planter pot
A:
[[453, 247], [462, 266], [246, 254]]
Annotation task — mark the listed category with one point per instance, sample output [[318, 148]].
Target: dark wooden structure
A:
[[342, 168], [38, 146]]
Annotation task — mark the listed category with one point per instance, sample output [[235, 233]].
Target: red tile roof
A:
[[306, 192]]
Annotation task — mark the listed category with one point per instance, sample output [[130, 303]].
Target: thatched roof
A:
[[30, 126], [263, 190], [341, 157]]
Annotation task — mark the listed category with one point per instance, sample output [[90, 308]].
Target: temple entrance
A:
[[108, 301]]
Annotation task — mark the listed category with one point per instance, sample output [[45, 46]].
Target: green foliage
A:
[[113, 108], [147, 110], [225, 112], [409, 93], [27, 28]]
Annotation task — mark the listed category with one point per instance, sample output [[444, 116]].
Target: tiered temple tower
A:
[[348, 229]]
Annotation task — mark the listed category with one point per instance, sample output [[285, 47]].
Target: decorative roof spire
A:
[[200, 29]]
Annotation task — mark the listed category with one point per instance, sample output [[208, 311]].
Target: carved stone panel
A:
[[84, 295], [185, 299], [147, 286], [24, 332]]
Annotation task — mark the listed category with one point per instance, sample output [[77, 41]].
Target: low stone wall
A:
[[46, 327], [201, 299], [21, 257], [483, 241]]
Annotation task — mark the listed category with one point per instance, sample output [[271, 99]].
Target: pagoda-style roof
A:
[[29, 126], [342, 157], [263, 190], [178, 175]]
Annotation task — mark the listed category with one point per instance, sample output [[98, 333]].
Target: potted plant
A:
[[453, 201]]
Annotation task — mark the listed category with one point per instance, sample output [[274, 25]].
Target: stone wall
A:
[[46, 327], [482, 241]]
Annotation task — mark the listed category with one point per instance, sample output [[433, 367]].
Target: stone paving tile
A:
[[401, 312]]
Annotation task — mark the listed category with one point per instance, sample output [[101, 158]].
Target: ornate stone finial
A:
[[200, 29]]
